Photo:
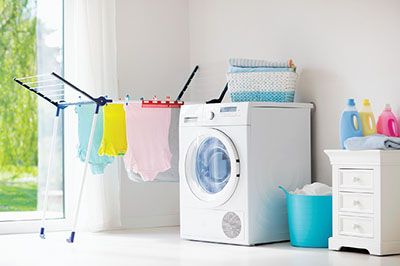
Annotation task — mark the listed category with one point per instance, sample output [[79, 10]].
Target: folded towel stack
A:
[[373, 142], [261, 80], [241, 62]]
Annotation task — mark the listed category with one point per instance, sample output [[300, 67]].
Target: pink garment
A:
[[147, 133]]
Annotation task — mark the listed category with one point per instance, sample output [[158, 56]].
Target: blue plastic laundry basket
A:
[[310, 219]]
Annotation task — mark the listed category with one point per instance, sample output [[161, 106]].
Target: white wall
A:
[[343, 49], [153, 59]]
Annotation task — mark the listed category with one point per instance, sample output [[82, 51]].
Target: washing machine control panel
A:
[[229, 111], [228, 114], [225, 114]]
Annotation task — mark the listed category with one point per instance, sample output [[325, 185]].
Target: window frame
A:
[[53, 224]]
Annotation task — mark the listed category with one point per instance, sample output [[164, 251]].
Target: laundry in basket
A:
[[261, 80], [310, 216]]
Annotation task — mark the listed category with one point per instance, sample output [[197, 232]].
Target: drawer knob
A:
[[356, 179], [356, 226], [356, 202]]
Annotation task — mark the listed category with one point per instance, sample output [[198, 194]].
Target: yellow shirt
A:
[[114, 133]]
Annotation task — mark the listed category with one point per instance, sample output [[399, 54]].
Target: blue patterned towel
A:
[[241, 62], [374, 142]]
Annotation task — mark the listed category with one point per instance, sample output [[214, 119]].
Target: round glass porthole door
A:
[[212, 167]]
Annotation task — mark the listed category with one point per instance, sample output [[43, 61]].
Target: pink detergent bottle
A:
[[387, 123]]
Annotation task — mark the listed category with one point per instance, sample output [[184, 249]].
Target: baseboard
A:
[[131, 222]]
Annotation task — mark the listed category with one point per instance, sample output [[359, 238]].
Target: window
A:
[[31, 43]]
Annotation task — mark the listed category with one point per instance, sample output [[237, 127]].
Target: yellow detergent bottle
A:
[[367, 119]]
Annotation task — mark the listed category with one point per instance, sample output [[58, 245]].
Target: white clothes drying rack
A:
[[46, 87]]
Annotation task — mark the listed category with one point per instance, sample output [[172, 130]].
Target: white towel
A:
[[241, 62]]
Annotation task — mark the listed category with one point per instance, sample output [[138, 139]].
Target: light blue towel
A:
[[241, 62], [85, 113], [235, 69], [374, 142]]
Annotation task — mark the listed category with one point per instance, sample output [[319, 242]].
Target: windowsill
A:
[[28, 216]]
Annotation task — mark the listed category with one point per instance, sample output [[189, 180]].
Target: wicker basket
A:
[[262, 86]]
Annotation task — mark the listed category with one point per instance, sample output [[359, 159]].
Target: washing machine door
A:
[[212, 167]]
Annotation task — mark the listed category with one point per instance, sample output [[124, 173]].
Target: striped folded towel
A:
[[241, 62], [234, 69]]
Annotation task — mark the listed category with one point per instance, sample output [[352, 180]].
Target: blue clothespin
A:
[[141, 98], [127, 98]]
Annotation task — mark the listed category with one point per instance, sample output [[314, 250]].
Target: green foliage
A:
[[18, 196], [18, 107]]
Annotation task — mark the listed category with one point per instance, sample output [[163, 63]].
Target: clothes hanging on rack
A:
[[148, 149], [114, 131], [172, 174], [97, 162]]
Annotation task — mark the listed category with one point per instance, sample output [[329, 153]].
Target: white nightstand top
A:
[[370, 157]]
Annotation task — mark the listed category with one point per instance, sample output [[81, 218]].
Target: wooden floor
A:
[[162, 246]]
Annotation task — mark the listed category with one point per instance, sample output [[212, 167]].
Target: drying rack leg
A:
[[46, 194], [72, 236]]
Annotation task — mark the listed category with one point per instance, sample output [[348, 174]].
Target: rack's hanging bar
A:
[[187, 83], [34, 91], [53, 90], [47, 86], [55, 93], [75, 103], [161, 104], [74, 87], [155, 103], [37, 76], [40, 81]]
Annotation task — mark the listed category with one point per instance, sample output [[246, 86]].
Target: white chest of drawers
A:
[[366, 200]]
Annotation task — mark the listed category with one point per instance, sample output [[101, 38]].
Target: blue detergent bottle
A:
[[350, 123]]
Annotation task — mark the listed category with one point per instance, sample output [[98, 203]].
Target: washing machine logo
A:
[[231, 224]]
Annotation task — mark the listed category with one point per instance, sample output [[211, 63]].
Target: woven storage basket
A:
[[262, 86]]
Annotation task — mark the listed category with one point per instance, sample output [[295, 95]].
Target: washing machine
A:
[[233, 157]]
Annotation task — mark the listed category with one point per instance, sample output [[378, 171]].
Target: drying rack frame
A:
[[61, 105]]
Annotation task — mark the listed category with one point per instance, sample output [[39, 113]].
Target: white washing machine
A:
[[233, 157]]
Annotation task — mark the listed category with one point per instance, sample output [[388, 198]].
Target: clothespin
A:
[[168, 98], [154, 98], [141, 98], [80, 97], [127, 98]]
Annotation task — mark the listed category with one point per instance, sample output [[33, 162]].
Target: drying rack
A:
[[50, 87]]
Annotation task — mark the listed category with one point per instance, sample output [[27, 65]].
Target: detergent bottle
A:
[[387, 123], [350, 123], [367, 118]]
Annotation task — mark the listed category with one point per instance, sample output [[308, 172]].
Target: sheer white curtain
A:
[[90, 63]]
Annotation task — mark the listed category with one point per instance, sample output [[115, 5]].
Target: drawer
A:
[[356, 226], [356, 202], [356, 180]]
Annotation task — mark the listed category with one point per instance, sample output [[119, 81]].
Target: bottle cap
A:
[[387, 107], [366, 102], [351, 102]]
